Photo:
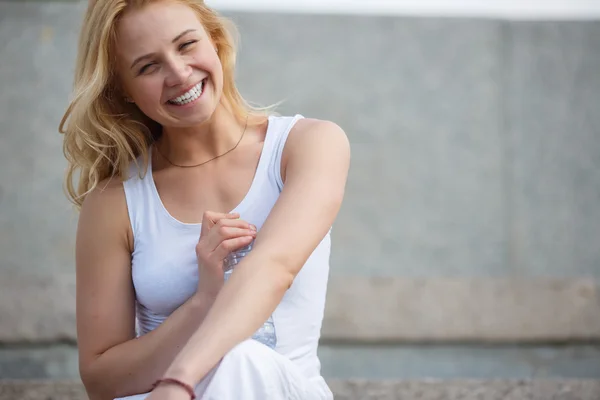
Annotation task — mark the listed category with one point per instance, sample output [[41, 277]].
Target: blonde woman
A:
[[172, 171]]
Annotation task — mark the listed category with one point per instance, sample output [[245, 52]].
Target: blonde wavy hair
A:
[[103, 133]]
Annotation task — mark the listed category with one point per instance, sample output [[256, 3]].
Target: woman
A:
[[174, 172]]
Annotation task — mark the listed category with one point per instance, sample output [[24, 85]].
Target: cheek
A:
[[207, 59], [149, 90], [217, 71]]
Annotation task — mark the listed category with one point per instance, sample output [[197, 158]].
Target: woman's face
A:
[[168, 64]]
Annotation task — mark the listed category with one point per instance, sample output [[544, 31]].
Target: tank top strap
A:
[[278, 132], [138, 192]]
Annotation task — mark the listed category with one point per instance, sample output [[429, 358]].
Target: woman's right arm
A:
[[112, 361]]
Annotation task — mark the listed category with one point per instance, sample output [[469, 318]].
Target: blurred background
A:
[[468, 245]]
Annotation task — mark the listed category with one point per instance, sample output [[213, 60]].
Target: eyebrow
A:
[[137, 60]]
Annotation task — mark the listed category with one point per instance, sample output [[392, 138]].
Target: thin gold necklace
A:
[[205, 162]]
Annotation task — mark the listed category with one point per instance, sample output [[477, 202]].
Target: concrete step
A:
[[368, 390]]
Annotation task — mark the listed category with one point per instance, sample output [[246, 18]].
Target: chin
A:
[[199, 117], [190, 117]]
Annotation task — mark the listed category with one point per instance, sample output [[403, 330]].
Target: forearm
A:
[[132, 367], [248, 298]]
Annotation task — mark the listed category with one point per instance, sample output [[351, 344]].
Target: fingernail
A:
[[252, 227]]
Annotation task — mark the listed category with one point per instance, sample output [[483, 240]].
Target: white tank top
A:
[[164, 266]]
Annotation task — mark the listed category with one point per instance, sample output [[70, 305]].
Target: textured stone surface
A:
[[466, 390], [36, 221], [49, 390], [39, 362], [37, 307], [460, 361], [440, 309], [369, 390], [553, 136]]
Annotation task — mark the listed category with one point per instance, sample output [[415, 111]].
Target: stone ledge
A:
[[462, 310], [369, 390], [362, 309]]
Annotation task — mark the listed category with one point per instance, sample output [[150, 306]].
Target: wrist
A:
[[209, 287], [174, 384], [205, 297]]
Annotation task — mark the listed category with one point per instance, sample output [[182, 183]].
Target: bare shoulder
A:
[[109, 189], [105, 200], [314, 134], [311, 140], [104, 211], [316, 126]]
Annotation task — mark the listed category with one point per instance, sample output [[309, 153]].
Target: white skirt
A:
[[253, 371]]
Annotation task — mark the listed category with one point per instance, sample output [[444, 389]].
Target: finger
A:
[[210, 218], [229, 245], [219, 234], [237, 223]]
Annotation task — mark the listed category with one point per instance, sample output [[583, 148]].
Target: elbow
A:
[[281, 276], [92, 388], [277, 276], [284, 279], [95, 387]]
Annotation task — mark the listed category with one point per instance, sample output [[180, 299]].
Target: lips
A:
[[192, 94]]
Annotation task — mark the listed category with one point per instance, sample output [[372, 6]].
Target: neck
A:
[[197, 144]]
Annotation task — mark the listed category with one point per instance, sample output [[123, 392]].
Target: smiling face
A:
[[168, 65]]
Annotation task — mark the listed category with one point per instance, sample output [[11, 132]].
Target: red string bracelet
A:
[[184, 385]]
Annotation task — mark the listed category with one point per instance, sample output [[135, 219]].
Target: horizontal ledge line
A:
[[496, 344]]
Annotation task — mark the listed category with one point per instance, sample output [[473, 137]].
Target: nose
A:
[[178, 72]]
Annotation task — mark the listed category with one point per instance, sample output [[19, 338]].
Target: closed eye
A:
[[182, 47], [145, 68], [187, 44]]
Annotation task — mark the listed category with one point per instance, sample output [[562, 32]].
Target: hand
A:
[[220, 235]]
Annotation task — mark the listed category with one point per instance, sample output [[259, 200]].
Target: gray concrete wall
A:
[[472, 205]]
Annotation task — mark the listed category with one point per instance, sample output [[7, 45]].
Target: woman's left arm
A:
[[315, 165]]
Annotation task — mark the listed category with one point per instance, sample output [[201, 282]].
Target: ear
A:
[[126, 96], [214, 44]]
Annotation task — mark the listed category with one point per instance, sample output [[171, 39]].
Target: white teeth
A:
[[190, 96]]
